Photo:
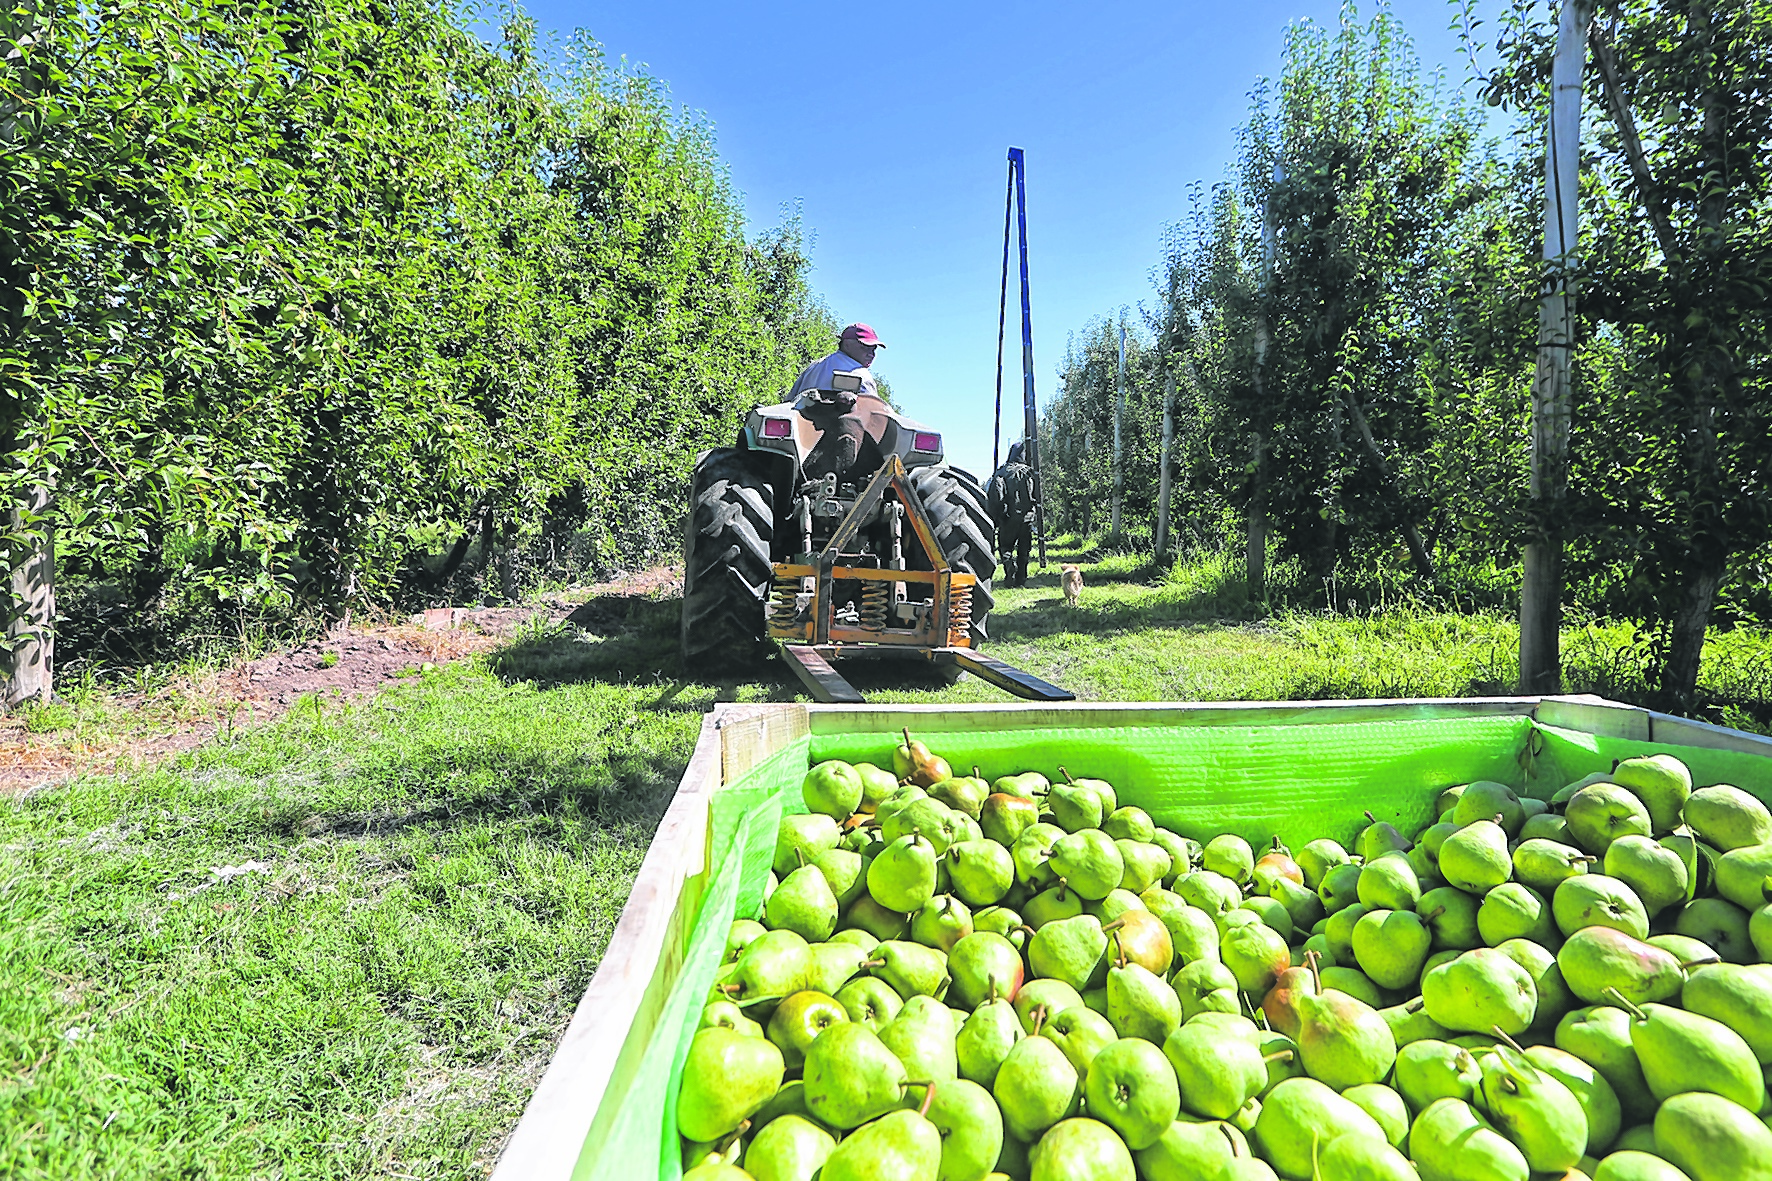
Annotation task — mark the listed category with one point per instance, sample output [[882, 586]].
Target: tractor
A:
[[834, 528]]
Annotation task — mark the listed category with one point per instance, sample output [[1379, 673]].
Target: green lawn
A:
[[422, 885]]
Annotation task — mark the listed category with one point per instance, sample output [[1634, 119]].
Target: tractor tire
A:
[[727, 568], [955, 505]]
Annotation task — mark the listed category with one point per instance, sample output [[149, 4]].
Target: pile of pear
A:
[[951, 980]]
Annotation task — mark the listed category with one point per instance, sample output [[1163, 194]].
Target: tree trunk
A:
[[1679, 679], [27, 666], [1163, 476]]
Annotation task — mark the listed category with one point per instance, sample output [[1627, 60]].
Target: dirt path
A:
[[139, 729]]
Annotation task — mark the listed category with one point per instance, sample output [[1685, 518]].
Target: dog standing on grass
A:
[[1071, 579]]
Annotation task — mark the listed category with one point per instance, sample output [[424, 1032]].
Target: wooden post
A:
[[1163, 476], [1119, 438], [27, 664], [1541, 587]]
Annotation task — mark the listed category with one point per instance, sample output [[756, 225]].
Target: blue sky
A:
[[890, 125]]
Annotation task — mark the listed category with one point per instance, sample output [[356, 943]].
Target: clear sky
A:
[[890, 124]]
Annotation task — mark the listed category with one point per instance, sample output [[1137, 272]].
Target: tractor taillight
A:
[[926, 441], [777, 428]]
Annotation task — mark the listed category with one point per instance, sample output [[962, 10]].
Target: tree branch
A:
[[1633, 144]]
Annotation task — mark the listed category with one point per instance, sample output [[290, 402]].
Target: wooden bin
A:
[[615, 1021]]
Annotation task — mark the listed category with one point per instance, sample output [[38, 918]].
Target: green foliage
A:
[[294, 295]]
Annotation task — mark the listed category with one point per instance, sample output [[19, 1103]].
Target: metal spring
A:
[[876, 603], [960, 610], [782, 611]]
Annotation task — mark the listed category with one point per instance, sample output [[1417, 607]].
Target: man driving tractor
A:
[[846, 420]]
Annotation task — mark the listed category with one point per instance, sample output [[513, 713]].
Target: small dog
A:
[[1071, 579]]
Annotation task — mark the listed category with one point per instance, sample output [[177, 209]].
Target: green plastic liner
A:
[[1297, 781]]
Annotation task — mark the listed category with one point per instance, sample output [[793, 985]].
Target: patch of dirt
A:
[[346, 664]]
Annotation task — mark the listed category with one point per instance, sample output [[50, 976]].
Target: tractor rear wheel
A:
[[955, 505], [727, 569]]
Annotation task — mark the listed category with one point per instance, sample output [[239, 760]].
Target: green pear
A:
[[902, 877], [897, 800], [1742, 875], [1533, 1109], [1116, 903], [1218, 1074], [1255, 954], [1476, 858], [963, 793], [1073, 950], [1720, 924], [1434, 835], [1280, 1005], [1089, 861], [1211, 892], [1654, 872], [1478, 991], [1600, 1037], [1599, 1103], [1759, 931], [1131, 1087], [911, 969], [1661, 782], [1728, 818], [1596, 900], [1000, 920], [1130, 824], [1079, 1148], [791, 1148], [845, 871], [1302, 905], [1554, 997], [1451, 1141], [775, 964], [726, 1077], [1192, 933], [833, 788], [1032, 852], [941, 922], [739, 936], [1276, 862], [1051, 904], [1271, 912], [1567, 792], [1206, 986], [1338, 929], [1640, 1138], [1487, 800], [981, 871], [799, 1019], [1713, 1139], [1143, 864], [1081, 1033], [716, 1170], [928, 818], [1600, 814], [1388, 883], [1318, 858], [1184, 853], [1354, 983], [1596, 959], [1689, 951], [1424, 865], [1636, 1166], [1229, 856], [876, 784], [985, 1040], [1301, 1114], [1385, 1106], [1141, 1004], [1358, 1156], [1045, 999], [901, 1146], [922, 1038], [803, 904], [1191, 1151], [1104, 791], [801, 838], [1003, 817], [1390, 946], [869, 1001], [1280, 1055], [1515, 911], [1142, 938], [1547, 826], [1342, 1041], [864, 914], [1451, 918], [1035, 1087], [971, 1129], [1340, 888], [1430, 1070], [1074, 807], [1739, 996], [851, 1077], [1409, 1023], [1028, 785], [728, 1015], [1378, 838], [1544, 864], [1682, 1051], [983, 966]]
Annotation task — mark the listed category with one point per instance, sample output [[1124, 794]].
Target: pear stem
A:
[[1310, 961], [1024, 927], [907, 735], [1501, 1035], [1063, 772], [873, 963], [1414, 1005], [1114, 924], [1705, 962], [1618, 999], [928, 1097], [1039, 1019], [1278, 1056], [1371, 817]]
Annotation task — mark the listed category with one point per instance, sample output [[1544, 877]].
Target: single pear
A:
[[739, 936], [1073, 950], [971, 1129], [1385, 1106], [1358, 1156], [1388, 883], [869, 1001], [1656, 873], [1661, 782], [1081, 1148], [1318, 858], [726, 1077], [1409, 1023], [901, 1146], [1131, 824], [1032, 854], [877, 783], [1218, 1074], [963, 793], [1378, 838], [1728, 818], [1431, 1070], [1739, 996], [1116, 903], [1132, 1088], [1004, 817], [1487, 800], [804, 904], [1476, 857], [941, 922], [1089, 861], [1682, 1051], [1533, 1109], [1516, 911], [985, 1040], [1554, 997], [1081, 1033], [1255, 954], [799, 1019], [791, 1148], [1451, 1141], [1206, 986], [802, 837], [1302, 905], [845, 871], [1074, 807], [1301, 1114], [1028, 785], [1229, 856], [1051, 904], [775, 964], [914, 762], [1342, 1041], [1547, 826], [902, 877], [1600, 1037], [1596, 900], [911, 969], [1479, 990], [981, 871], [851, 1077], [1599, 1103], [1743, 875], [1451, 917], [1595, 960], [983, 966], [922, 1038], [1354, 983], [864, 914], [833, 788], [1280, 1005], [1713, 1139], [1036, 1087], [1340, 888], [1190, 1151], [1142, 938], [1338, 929], [1040, 1000], [928, 818], [1104, 791], [1544, 865], [1274, 863], [1141, 1004], [1602, 813], [1143, 864], [1192, 933], [1184, 853], [728, 1015], [1720, 924], [1390, 946]]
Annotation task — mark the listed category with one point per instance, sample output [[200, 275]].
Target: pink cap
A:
[[863, 334]]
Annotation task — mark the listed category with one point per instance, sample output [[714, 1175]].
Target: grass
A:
[[345, 944]]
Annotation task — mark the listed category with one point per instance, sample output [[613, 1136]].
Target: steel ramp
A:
[[814, 668]]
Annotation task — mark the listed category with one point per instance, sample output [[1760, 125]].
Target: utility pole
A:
[[1165, 455], [1255, 555], [1029, 409], [1119, 438], [1541, 588]]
